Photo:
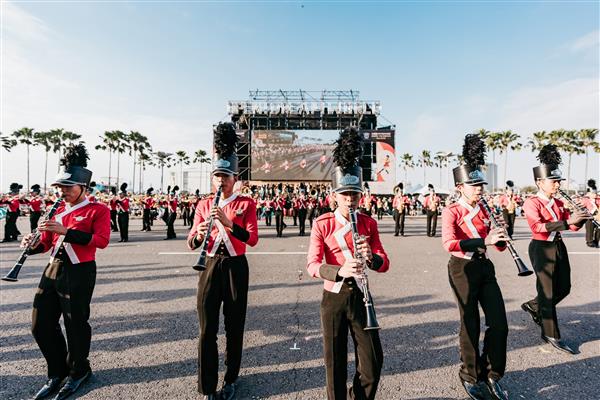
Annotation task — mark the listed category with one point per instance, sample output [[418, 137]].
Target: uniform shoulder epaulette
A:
[[325, 216]]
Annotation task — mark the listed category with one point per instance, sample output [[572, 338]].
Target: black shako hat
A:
[[347, 175], [225, 141], [550, 161], [473, 154], [15, 187], [74, 163]]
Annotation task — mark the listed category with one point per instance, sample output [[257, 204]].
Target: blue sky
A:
[[440, 69]]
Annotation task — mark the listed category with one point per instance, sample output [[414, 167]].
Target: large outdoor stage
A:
[[289, 136]]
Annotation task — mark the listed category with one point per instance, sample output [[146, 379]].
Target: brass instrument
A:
[[579, 208], [433, 204], [201, 263], [13, 274], [521, 267], [371, 323], [512, 205]]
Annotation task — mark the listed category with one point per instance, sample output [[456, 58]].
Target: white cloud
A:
[[18, 24], [588, 41]]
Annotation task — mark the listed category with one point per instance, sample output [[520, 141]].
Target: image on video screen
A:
[[282, 155]]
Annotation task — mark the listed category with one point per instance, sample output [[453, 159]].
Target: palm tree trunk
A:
[[405, 175], [141, 169], [46, 171], [118, 166], [162, 168], [569, 173], [585, 178], [440, 176], [109, 165], [133, 177], [28, 167], [505, 164]]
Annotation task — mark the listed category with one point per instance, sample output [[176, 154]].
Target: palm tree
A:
[[44, 139], [201, 157], [137, 142], [508, 141], [25, 136], [121, 146], [144, 159], [569, 142], [109, 142], [406, 162], [162, 159], [424, 162], [588, 139], [182, 158], [537, 140], [442, 159], [8, 143]]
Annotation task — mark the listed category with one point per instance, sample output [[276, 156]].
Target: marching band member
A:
[[225, 279], [66, 287], [508, 203], [302, 205], [592, 202], [113, 209], [400, 204], [171, 207], [466, 234], [331, 258], [547, 216], [35, 205], [279, 207], [431, 203], [89, 191], [13, 202], [148, 204], [123, 213]]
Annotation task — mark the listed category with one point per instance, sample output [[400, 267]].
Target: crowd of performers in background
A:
[[297, 203]]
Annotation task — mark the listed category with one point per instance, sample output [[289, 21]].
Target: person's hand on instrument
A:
[[52, 226], [578, 216], [27, 241], [220, 216], [351, 268], [496, 235]]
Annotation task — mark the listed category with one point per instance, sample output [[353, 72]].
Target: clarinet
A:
[[577, 207], [201, 263], [371, 323], [521, 267], [13, 274]]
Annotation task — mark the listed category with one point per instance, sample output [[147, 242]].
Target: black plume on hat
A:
[[401, 185], [225, 139], [169, 189], [510, 184], [75, 155], [123, 187], [348, 149], [197, 192], [549, 155], [35, 188], [592, 184], [175, 189], [430, 186], [15, 186], [474, 151], [150, 190], [113, 190], [92, 184]]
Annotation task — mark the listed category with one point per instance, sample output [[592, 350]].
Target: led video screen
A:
[[287, 155]]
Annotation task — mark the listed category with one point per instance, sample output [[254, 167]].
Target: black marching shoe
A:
[[496, 390], [212, 396], [473, 390], [534, 316], [51, 386], [228, 391], [558, 344], [71, 386]]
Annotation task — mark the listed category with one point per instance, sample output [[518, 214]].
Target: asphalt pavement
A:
[[145, 326]]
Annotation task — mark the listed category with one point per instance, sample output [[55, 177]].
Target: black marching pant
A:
[[64, 289], [551, 265], [474, 283], [340, 313], [268, 217], [509, 219], [170, 225], [146, 219], [113, 221], [10, 227], [279, 222], [295, 216], [123, 219], [431, 222], [225, 280], [302, 220], [592, 234], [399, 222], [34, 218]]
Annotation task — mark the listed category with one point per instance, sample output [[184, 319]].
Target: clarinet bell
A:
[[523, 270], [200, 264], [371, 320]]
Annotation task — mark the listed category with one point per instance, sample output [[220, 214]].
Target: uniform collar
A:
[[466, 205]]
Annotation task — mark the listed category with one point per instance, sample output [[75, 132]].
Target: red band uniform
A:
[[66, 287], [401, 201], [431, 204], [225, 280]]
